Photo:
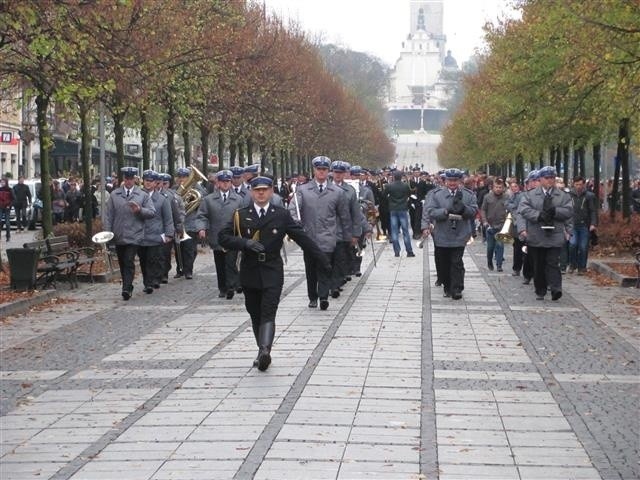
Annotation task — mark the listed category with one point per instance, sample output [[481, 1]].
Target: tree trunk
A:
[[85, 158], [596, 171], [558, 161], [565, 164], [576, 161], [187, 143], [581, 161], [232, 151], [264, 155], [623, 154], [519, 168], [615, 190], [241, 153], [220, 151], [118, 133], [46, 142], [204, 141], [146, 143], [249, 151], [274, 164], [171, 141]]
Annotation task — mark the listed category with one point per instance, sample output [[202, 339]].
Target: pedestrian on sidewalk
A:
[[22, 200], [513, 201], [188, 248], [258, 231], [6, 200], [126, 210], [397, 194], [343, 257], [322, 209], [158, 231], [450, 209], [215, 212], [494, 213], [530, 184], [177, 214], [547, 212], [585, 221]]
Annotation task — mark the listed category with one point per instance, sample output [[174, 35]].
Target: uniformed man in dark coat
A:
[[258, 231], [323, 210], [547, 214], [158, 231], [215, 211], [450, 210], [237, 185], [178, 214], [126, 211]]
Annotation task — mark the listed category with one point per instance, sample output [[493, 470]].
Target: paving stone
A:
[[473, 454], [477, 472], [294, 470], [472, 437], [381, 453], [306, 451], [546, 473]]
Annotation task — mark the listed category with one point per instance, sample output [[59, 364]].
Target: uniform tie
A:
[[224, 197], [237, 190], [262, 212], [321, 187], [128, 192]]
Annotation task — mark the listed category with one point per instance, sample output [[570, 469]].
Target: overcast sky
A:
[[380, 26]]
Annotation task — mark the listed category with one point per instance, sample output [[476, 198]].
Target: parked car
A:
[[34, 186]]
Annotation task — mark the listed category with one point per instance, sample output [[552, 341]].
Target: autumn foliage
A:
[[565, 75], [217, 71]]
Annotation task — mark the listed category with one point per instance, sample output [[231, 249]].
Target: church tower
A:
[[427, 15], [420, 85]]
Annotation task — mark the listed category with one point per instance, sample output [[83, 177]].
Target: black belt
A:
[[266, 256]]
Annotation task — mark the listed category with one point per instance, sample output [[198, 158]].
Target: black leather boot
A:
[[265, 340]]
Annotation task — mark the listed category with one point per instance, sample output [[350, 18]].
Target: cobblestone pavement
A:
[[392, 381]]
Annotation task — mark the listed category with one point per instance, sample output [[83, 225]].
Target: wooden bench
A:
[[83, 255], [59, 260], [51, 267]]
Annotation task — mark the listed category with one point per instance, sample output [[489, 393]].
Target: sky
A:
[[379, 26]]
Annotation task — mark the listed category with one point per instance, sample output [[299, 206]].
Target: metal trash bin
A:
[[23, 265]]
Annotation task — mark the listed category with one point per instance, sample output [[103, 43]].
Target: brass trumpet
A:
[[504, 235], [191, 196]]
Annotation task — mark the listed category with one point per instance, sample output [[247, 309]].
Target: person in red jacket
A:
[[6, 200]]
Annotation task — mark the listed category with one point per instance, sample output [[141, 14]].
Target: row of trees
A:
[[564, 77], [220, 70]]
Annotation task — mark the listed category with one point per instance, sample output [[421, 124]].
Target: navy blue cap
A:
[[165, 177], [224, 175], [108, 179], [453, 173], [321, 162], [149, 175], [533, 175], [236, 171], [261, 182], [356, 170], [183, 172], [547, 172], [339, 166], [415, 169], [255, 168], [129, 172]]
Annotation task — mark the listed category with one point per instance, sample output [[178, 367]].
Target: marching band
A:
[[332, 215]]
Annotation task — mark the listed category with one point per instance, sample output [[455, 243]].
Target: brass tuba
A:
[[191, 196], [504, 235]]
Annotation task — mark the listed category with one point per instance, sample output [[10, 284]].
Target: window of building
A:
[[421, 19]]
